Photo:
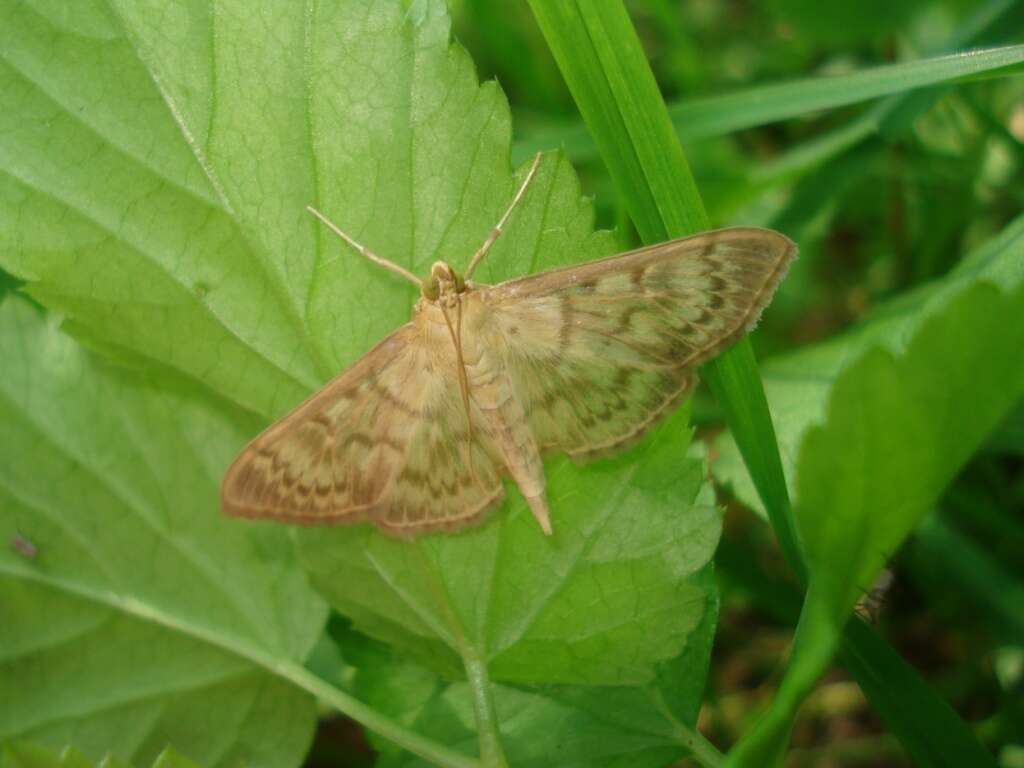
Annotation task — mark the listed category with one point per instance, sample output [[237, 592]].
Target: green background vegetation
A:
[[165, 295]]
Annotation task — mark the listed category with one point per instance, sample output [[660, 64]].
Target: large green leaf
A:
[[158, 157], [134, 615], [877, 424]]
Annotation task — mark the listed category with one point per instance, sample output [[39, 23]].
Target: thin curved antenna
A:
[[497, 230], [389, 265]]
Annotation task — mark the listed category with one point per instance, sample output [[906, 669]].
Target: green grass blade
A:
[[606, 69], [736, 384], [931, 732], [615, 90], [773, 102], [600, 55]]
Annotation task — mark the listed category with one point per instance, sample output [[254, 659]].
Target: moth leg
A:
[[389, 265], [501, 223]]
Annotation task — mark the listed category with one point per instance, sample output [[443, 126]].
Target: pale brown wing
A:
[[600, 351], [386, 442]]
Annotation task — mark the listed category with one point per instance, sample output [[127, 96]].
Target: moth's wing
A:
[[600, 351], [385, 441]]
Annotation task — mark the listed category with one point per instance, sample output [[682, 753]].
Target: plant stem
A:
[[492, 754], [702, 750], [428, 749]]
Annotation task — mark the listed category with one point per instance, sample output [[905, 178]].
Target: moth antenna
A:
[[389, 265], [483, 249]]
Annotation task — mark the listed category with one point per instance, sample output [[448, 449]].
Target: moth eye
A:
[[431, 290]]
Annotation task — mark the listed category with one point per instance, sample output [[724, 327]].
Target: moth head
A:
[[443, 281]]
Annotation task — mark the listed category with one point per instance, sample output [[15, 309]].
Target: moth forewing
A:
[[378, 443], [600, 351]]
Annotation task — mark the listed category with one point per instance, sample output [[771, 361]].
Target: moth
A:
[[869, 606], [485, 380]]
